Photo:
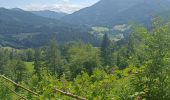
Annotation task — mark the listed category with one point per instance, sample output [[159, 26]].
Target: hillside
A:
[[113, 12], [21, 28]]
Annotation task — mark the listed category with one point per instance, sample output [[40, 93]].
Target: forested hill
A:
[[16, 21], [19, 28], [113, 12]]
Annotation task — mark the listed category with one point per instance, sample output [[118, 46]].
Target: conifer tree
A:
[[53, 58], [106, 50], [37, 62], [20, 71]]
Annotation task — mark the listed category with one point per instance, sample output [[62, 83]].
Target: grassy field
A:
[[30, 66]]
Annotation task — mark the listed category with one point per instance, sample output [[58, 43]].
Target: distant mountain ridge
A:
[[19, 28], [49, 14], [113, 12], [22, 21]]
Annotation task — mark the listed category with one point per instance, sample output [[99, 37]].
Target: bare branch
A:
[[16, 84], [56, 90], [21, 97], [70, 95]]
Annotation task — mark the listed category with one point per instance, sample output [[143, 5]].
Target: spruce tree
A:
[[20, 71], [53, 58], [37, 62], [106, 50]]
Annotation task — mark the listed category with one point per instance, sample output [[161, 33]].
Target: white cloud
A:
[[64, 7], [66, 0]]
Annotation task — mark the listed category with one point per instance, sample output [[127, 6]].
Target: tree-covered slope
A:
[[118, 11], [29, 30]]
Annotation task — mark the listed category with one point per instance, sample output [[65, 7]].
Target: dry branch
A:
[[56, 90], [21, 97], [70, 95], [16, 84]]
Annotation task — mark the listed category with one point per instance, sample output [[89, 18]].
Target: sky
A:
[[68, 6]]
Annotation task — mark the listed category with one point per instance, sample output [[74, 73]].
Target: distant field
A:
[[23, 36], [115, 33], [29, 66]]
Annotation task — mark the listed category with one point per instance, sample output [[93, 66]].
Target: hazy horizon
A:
[[67, 6]]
